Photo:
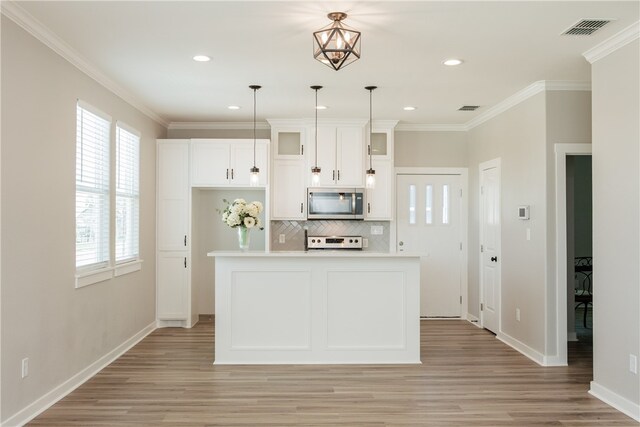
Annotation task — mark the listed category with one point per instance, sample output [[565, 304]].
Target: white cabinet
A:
[[288, 139], [173, 286], [340, 155], [227, 163], [173, 237], [288, 190], [380, 199]]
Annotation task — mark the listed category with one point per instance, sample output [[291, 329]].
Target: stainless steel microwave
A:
[[335, 203]]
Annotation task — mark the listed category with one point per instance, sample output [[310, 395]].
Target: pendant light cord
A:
[[316, 145], [370, 128]]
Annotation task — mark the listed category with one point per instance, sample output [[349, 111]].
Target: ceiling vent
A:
[[469, 108], [586, 27]]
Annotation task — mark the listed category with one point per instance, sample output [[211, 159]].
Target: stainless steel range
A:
[[334, 242]]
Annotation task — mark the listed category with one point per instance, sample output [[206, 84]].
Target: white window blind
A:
[[127, 193], [92, 188]]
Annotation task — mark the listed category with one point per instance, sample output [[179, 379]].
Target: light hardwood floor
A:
[[467, 378]]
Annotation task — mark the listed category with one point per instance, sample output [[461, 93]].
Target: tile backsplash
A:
[[294, 233]]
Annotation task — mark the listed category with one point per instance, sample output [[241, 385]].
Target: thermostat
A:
[[523, 212]]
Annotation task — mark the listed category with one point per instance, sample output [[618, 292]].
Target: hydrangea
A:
[[239, 213]]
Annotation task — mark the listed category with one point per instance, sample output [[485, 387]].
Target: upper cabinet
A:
[[227, 163], [340, 154], [288, 139]]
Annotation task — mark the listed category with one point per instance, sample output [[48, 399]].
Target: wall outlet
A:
[[25, 367], [518, 314], [376, 230], [365, 243], [281, 238], [633, 364]]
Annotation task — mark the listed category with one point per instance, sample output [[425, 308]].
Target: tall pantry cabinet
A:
[[173, 234]]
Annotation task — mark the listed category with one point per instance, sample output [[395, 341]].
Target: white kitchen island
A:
[[316, 307]]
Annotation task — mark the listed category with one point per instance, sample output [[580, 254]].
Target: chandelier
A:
[[336, 45]]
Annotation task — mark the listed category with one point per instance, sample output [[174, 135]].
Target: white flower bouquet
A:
[[239, 213]]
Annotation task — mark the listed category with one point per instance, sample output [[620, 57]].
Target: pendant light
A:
[[254, 177], [315, 170], [371, 174]]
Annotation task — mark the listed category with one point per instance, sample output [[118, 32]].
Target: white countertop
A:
[[313, 254]]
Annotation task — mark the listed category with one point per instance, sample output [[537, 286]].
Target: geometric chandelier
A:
[[336, 45]]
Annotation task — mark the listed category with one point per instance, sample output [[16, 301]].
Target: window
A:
[[127, 193], [92, 188]]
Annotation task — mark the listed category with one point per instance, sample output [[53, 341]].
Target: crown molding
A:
[[218, 125], [417, 127], [524, 94], [30, 24], [610, 45]]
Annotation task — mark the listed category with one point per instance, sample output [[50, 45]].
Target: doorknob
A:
[[494, 258]]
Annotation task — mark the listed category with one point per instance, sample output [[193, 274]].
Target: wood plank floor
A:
[[468, 378]]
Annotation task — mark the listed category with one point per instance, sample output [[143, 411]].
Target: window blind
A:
[[127, 193], [92, 188]]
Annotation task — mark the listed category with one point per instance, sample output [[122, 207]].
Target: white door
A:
[[289, 190], [173, 195], [350, 157], [490, 245], [173, 285], [428, 211], [210, 163]]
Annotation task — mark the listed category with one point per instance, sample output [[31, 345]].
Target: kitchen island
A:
[[319, 307]]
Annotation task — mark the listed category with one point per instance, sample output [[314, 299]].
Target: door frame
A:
[[494, 163], [464, 221], [560, 327]]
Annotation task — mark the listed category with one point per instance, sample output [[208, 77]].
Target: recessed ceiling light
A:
[[452, 62], [409, 108], [201, 58], [233, 107], [321, 107]]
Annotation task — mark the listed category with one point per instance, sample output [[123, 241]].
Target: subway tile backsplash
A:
[[294, 233]]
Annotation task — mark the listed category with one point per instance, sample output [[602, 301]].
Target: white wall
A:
[[62, 330], [616, 221], [430, 149]]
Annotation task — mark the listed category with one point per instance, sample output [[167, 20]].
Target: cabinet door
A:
[[289, 143], [380, 198], [326, 155], [209, 163], [173, 194], [173, 285], [350, 157], [288, 190], [242, 162]]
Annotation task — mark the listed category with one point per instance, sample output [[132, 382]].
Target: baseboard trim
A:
[[49, 399], [522, 348], [616, 401]]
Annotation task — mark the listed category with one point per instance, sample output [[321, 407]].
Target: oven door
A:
[[334, 203]]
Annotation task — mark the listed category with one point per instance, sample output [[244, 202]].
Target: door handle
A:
[[231, 173], [494, 258], [227, 173], [301, 207], [368, 208], [338, 174]]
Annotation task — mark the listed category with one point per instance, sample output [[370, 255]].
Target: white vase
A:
[[243, 238]]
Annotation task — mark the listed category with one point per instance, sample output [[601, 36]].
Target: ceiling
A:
[[145, 49]]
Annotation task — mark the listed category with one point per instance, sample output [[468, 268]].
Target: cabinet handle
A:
[[338, 174], [368, 207], [302, 150], [368, 149], [185, 240], [185, 262], [227, 173], [231, 173], [333, 176], [301, 206]]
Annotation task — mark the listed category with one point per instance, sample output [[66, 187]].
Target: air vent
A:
[[469, 108], [586, 27]]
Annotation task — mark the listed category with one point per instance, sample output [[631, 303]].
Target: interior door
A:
[[490, 246], [428, 210]]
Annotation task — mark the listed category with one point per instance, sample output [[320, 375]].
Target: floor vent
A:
[[469, 108], [586, 27]]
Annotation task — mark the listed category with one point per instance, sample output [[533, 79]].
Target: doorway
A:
[[579, 249], [431, 221], [564, 274]]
